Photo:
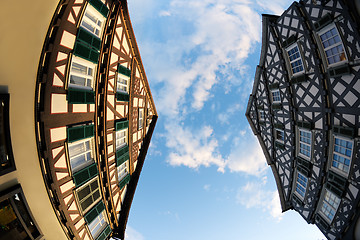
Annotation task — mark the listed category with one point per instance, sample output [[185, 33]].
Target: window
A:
[[301, 185], [120, 138], [279, 135], [332, 45], [329, 205], [122, 83], [261, 115], [88, 194], [123, 170], [15, 218], [98, 225], [93, 21], [141, 118], [82, 73], [305, 141], [7, 163], [275, 96], [81, 154], [296, 63], [342, 154]]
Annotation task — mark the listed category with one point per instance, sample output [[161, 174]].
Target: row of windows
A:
[[331, 45]]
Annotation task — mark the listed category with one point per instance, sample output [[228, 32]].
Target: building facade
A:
[[92, 119], [304, 110]]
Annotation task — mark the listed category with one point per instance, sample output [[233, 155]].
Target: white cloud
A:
[[207, 187], [247, 156], [193, 148], [132, 234], [254, 195]]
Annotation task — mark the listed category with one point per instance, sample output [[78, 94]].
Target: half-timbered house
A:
[[304, 110], [94, 118]]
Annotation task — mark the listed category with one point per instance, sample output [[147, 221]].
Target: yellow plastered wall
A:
[[23, 27]]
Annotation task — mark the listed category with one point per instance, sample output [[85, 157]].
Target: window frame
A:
[[141, 116], [323, 50], [297, 172], [118, 147], [332, 152], [101, 216], [79, 201], [91, 10], [123, 77], [299, 142], [291, 71], [261, 115], [321, 203], [272, 96], [84, 63], [11, 192], [124, 168], [86, 162], [5, 105], [276, 130]]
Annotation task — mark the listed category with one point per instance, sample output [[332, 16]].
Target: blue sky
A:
[[205, 176]]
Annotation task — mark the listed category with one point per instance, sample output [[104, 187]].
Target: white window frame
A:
[[306, 144], [299, 184], [98, 224], [272, 96], [261, 115], [340, 170], [282, 133], [121, 138], [120, 85], [289, 48], [86, 76], [91, 12], [324, 49], [87, 196], [87, 161], [123, 170], [329, 201], [141, 113]]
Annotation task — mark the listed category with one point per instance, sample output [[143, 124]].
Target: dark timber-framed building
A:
[[75, 121], [305, 108]]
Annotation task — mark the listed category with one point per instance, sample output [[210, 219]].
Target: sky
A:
[[205, 175]]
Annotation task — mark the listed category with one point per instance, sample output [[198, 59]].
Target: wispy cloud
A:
[[254, 195], [132, 234]]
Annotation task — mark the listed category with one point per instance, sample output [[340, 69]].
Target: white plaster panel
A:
[[80, 108], [120, 109], [92, 107], [110, 149], [136, 102], [67, 186], [57, 81], [59, 103], [134, 137], [79, 224], [57, 134], [68, 40], [109, 114]]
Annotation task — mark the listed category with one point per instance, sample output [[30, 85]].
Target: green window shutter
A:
[[297, 200], [306, 125], [122, 155], [333, 188], [85, 175], [85, 51], [304, 171], [105, 233], [124, 181], [321, 222], [123, 97], [304, 164], [121, 125], [94, 212], [289, 41], [279, 126], [279, 145], [78, 96], [88, 38], [299, 79], [336, 179], [339, 70], [98, 5], [276, 106], [80, 132], [274, 86], [323, 22], [344, 131], [124, 70]]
